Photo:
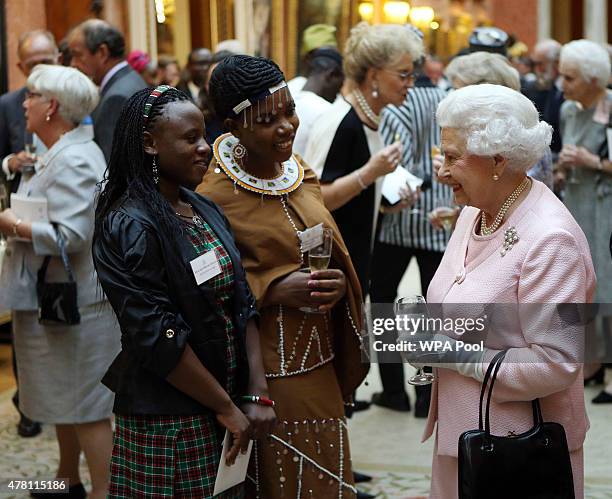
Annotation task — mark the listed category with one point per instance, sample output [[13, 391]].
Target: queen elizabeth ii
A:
[[514, 243]]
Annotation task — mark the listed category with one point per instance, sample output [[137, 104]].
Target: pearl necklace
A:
[[365, 107], [487, 231]]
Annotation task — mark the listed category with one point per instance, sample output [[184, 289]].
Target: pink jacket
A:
[[550, 263]]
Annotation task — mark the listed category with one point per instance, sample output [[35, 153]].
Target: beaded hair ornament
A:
[[248, 105], [151, 100]]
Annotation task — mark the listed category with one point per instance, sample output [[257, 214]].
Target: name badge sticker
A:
[[205, 267], [312, 237]]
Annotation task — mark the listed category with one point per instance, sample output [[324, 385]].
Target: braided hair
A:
[[240, 77], [130, 169]]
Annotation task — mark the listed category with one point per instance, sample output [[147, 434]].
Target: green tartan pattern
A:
[[167, 456], [178, 456], [203, 239]]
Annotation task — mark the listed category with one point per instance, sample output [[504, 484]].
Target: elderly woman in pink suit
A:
[[491, 135]]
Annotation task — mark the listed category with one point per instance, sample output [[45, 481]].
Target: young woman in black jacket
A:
[[168, 264]]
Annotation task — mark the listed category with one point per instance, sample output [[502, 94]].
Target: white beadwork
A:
[[322, 471], [290, 178], [297, 232], [281, 341]]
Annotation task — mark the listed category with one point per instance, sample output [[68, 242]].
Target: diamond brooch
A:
[[510, 239]]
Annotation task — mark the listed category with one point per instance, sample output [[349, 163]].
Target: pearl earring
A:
[[375, 93], [48, 118], [495, 177]]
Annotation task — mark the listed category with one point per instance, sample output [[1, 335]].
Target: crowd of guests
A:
[[182, 205]]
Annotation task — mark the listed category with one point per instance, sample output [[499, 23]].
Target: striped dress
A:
[[178, 456], [414, 123]]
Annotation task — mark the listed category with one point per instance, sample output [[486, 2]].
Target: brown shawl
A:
[[269, 249]]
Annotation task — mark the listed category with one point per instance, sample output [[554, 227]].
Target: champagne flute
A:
[[318, 259], [413, 306], [319, 256], [445, 212], [29, 147]]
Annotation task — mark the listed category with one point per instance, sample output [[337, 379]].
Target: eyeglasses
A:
[[402, 75], [31, 95]]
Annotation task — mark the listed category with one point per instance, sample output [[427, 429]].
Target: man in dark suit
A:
[[34, 47], [98, 50], [198, 62], [545, 91]]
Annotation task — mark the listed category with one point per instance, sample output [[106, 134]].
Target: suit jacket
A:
[[548, 103], [150, 284], [12, 127], [66, 175], [550, 264], [124, 83]]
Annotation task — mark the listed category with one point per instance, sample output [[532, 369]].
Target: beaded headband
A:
[[249, 103], [151, 100]]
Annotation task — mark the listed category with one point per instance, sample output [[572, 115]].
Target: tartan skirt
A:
[[167, 456]]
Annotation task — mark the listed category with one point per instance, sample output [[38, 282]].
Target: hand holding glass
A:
[[318, 257], [445, 212], [407, 306]]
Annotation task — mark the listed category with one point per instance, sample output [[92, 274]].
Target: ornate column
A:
[[596, 20]]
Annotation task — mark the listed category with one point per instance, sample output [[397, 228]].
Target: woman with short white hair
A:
[[60, 365], [514, 243], [485, 67], [585, 118], [482, 67]]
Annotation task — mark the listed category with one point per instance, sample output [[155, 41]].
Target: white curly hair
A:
[[497, 120], [590, 58]]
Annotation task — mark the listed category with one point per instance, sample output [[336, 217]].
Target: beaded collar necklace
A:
[[289, 180]]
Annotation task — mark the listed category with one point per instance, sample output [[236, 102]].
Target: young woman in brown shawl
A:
[[312, 360]]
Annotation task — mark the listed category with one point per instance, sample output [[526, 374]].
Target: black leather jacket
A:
[[149, 283]]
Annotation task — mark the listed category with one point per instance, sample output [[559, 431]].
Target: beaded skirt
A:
[[308, 454]]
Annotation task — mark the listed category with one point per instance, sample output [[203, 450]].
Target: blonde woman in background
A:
[[345, 148]]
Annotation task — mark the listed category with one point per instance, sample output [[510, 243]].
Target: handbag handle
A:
[[483, 390], [491, 374], [42, 272]]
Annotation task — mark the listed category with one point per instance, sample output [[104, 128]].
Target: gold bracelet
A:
[[15, 226]]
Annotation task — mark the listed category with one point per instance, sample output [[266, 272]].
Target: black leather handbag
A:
[[57, 301], [532, 465]]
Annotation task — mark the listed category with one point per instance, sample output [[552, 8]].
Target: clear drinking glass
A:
[[445, 212], [29, 147], [413, 306], [318, 257]]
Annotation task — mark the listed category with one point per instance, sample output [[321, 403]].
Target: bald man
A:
[[34, 47]]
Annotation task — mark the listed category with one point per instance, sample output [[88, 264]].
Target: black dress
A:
[[349, 151]]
